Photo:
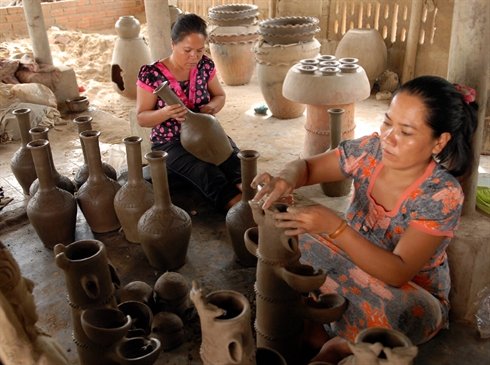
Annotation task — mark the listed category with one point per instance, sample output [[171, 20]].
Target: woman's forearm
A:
[[151, 118]]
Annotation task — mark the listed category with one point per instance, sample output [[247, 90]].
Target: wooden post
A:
[[158, 19], [272, 8], [412, 41]]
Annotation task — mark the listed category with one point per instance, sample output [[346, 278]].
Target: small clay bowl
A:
[[307, 69], [329, 71], [326, 57], [329, 64], [138, 350], [309, 61], [348, 68], [77, 104], [349, 60], [105, 325]]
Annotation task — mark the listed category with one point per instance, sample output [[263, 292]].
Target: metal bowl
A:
[[77, 104]]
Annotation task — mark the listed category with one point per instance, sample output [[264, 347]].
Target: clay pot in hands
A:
[[164, 230], [51, 210], [21, 163], [201, 134], [96, 196], [84, 123], [60, 181], [240, 218], [136, 196]]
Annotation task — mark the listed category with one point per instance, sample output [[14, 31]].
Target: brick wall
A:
[[71, 14]]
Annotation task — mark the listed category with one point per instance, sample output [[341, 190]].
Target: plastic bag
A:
[[35, 94], [483, 313]]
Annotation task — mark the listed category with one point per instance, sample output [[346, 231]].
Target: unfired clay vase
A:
[[84, 123], [288, 30], [96, 196], [21, 342], [168, 328], [272, 64], [239, 218], [201, 134], [21, 163], [231, 51], [281, 283], [368, 46], [136, 196], [381, 346], [60, 181], [343, 187], [130, 53], [164, 230], [172, 294], [52, 211], [233, 14]]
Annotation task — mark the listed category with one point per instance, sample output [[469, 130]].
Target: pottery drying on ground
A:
[[288, 30], [273, 63], [21, 342], [84, 123], [164, 230], [233, 15], [201, 134], [130, 53], [281, 283], [168, 328], [51, 211], [141, 317], [96, 196], [60, 181], [343, 187], [136, 196], [21, 163], [138, 291], [368, 46], [172, 294], [240, 218], [231, 51]]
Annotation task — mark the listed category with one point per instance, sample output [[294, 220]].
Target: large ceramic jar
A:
[[288, 30], [136, 196], [21, 163], [127, 26], [240, 218], [51, 210], [233, 14], [368, 46], [164, 230], [96, 196]]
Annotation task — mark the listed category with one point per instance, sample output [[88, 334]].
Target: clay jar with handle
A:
[[343, 187], [60, 181], [51, 210], [136, 196], [21, 163], [96, 196], [164, 230], [201, 134], [240, 218], [84, 123]]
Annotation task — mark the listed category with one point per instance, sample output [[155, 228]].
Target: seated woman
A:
[[388, 257], [192, 76]]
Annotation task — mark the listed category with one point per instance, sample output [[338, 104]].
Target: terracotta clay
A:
[[343, 187], [138, 291], [50, 206], [281, 283], [201, 134], [21, 342], [239, 218], [96, 196], [168, 328], [172, 294], [141, 316], [136, 196], [21, 163], [84, 123], [60, 181], [164, 230]]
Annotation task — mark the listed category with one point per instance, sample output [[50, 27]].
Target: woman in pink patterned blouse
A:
[[388, 256]]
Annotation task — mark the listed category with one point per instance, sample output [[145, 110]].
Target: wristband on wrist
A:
[[339, 230]]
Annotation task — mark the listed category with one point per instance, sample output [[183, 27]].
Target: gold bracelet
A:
[[339, 230]]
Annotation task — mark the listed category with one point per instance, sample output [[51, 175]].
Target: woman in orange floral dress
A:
[[388, 256]]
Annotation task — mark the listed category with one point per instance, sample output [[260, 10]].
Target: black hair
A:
[[188, 24], [447, 111]]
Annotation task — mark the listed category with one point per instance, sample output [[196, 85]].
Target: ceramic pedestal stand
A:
[[281, 283]]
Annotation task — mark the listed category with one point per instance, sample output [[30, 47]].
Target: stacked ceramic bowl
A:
[[287, 30], [233, 14]]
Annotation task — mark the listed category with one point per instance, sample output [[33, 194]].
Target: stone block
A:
[[67, 87]]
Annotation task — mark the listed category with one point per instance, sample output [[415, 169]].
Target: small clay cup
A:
[[105, 325], [78, 104]]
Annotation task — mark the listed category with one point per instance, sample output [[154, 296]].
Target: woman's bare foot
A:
[[333, 351]]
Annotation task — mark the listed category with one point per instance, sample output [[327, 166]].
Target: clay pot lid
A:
[[171, 286]]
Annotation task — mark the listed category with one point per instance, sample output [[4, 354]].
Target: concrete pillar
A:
[[158, 19], [469, 65], [37, 31]]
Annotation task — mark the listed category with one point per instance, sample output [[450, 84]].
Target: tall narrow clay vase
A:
[[21, 163], [201, 134], [164, 230], [136, 196], [84, 123], [60, 181], [343, 187], [51, 210], [96, 196], [240, 218]]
